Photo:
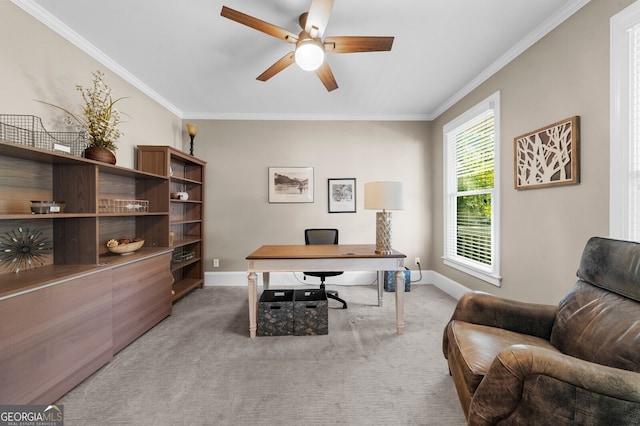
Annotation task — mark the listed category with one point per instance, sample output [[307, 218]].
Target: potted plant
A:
[[99, 120]]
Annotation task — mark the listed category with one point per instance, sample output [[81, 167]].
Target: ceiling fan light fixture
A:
[[309, 54]]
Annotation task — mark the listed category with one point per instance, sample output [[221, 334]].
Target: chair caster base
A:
[[332, 294]]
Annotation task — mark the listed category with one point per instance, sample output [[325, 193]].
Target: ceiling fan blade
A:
[[354, 44], [326, 76], [259, 25], [318, 17], [280, 64]]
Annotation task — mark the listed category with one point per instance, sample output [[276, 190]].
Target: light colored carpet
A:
[[199, 367]]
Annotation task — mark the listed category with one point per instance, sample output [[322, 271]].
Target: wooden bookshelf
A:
[[186, 217]]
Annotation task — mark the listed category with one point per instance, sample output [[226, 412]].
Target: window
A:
[[471, 191], [624, 201]]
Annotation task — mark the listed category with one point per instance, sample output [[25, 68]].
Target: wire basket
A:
[[28, 130], [114, 205]]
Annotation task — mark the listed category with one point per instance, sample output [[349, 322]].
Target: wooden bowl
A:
[[126, 248]]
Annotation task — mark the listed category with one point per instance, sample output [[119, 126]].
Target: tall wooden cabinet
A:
[[62, 320], [184, 231]]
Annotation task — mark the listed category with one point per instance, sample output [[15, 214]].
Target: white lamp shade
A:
[[309, 54], [383, 196]]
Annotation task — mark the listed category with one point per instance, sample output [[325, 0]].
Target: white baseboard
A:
[[239, 278], [449, 286]]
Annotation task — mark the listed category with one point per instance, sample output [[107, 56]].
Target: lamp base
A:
[[383, 233], [383, 252]]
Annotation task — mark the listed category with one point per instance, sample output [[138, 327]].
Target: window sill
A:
[[484, 276]]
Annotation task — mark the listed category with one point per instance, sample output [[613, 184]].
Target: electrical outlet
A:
[[216, 263], [417, 261]]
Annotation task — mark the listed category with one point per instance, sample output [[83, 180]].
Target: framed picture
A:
[[291, 184], [548, 156], [342, 195]]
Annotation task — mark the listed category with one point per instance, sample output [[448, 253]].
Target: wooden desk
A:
[[322, 257]]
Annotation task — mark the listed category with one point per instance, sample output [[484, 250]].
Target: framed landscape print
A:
[[342, 195], [548, 156], [291, 184]]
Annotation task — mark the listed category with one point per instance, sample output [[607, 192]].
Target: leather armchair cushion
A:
[[612, 265], [598, 326], [476, 346]]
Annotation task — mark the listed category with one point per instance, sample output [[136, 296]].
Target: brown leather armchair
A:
[[576, 363]]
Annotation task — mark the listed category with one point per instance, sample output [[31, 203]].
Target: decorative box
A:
[[275, 313], [44, 207], [310, 312], [183, 256], [390, 280]]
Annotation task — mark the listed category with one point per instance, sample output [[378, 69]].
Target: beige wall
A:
[[43, 65], [38, 64], [544, 230], [239, 153]]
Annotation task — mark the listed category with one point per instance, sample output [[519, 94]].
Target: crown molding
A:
[[60, 28], [533, 37], [305, 117], [63, 30]]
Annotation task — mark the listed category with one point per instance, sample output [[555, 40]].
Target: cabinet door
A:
[[53, 338], [141, 298]]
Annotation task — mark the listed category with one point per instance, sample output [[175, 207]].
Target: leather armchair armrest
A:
[[521, 317], [486, 309], [545, 382]]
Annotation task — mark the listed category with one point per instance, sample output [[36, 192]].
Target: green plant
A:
[[100, 118]]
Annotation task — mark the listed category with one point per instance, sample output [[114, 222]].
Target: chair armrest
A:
[[486, 309], [521, 317], [530, 382]]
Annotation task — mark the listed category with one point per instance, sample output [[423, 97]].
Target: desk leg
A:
[[253, 303], [265, 281], [400, 301], [380, 284]]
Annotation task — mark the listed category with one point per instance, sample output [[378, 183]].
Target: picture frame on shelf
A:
[[548, 156], [342, 195], [290, 184]]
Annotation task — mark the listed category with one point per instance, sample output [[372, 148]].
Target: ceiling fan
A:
[[310, 46]]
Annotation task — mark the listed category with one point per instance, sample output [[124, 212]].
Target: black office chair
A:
[[323, 236]]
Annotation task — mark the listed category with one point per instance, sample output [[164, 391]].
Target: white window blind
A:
[[474, 187], [470, 192], [624, 210], [634, 148]]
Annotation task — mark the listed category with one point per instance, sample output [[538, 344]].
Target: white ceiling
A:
[[201, 65]]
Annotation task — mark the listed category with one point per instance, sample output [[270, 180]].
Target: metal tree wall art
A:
[[23, 249], [548, 156]]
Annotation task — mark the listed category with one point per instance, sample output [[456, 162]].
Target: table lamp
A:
[[383, 196], [192, 129]]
